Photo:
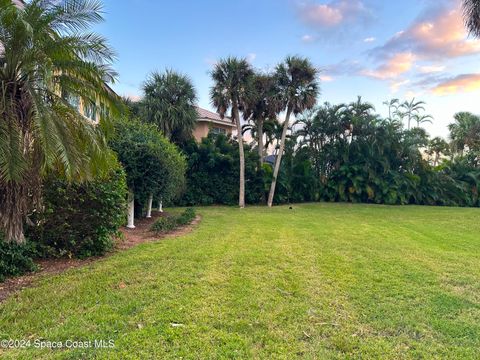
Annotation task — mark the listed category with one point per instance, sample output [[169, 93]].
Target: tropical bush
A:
[[15, 259], [212, 173], [348, 153], [153, 165], [170, 222], [164, 224], [186, 217], [80, 219]]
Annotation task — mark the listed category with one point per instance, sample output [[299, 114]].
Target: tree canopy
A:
[[49, 62]]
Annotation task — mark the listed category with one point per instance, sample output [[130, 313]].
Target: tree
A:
[[422, 119], [261, 105], [393, 105], [169, 103], [232, 79], [465, 132], [471, 15], [273, 132], [436, 147], [411, 108], [48, 62], [298, 88], [154, 166]]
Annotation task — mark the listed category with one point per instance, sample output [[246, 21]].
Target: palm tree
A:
[[48, 62], [411, 108], [393, 105], [232, 79], [422, 119], [261, 105], [436, 147], [273, 132], [471, 14], [297, 89], [465, 132], [169, 102]]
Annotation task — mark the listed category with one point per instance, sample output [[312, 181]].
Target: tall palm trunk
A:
[[13, 197], [241, 193], [278, 160], [260, 141], [260, 151]]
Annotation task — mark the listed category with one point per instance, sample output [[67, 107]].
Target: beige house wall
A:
[[203, 128]]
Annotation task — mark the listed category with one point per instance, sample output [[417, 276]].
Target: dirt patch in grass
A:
[[131, 238]]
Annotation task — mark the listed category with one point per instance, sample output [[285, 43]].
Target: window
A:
[[73, 100], [90, 111], [217, 130]]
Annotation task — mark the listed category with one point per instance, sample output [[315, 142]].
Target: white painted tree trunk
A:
[[131, 210], [149, 206], [160, 205]]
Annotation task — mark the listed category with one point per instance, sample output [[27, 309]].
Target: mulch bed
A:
[[131, 237]]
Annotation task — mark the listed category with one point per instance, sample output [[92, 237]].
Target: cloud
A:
[[457, 84], [439, 35], [369, 39], [326, 78], [396, 65], [396, 85], [343, 68], [308, 38], [334, 13], [251, 57], [429, 69]]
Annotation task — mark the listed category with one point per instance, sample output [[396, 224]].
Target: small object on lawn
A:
[[290, 208], [177, 325]]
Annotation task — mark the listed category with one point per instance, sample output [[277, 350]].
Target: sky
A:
[[374, 48]]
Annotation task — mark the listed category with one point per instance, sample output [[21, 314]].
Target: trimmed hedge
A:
[[80, 219]]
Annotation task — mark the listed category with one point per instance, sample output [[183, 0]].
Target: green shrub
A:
[[15, 259], [153, 165], [80, 219], [186, 217], [171, 222], [212, 173], [164, 224]]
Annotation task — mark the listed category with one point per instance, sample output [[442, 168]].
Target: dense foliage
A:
[[170, 222], [80, 219], [348, 153], [169, 103], [15, 259], [153, 165], [212, 173], [48, 57]]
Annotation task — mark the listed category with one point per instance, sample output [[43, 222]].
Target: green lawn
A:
[[320, 281]]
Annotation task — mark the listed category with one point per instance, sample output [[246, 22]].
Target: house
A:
[[209, 121]]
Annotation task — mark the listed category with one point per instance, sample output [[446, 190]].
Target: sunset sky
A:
[[377, 49]]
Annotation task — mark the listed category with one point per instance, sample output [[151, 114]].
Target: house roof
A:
[[210, 116]]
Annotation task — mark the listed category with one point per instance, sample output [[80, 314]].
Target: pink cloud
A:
[[439, 35], [458, 84], [334, 13], [393, 67]]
